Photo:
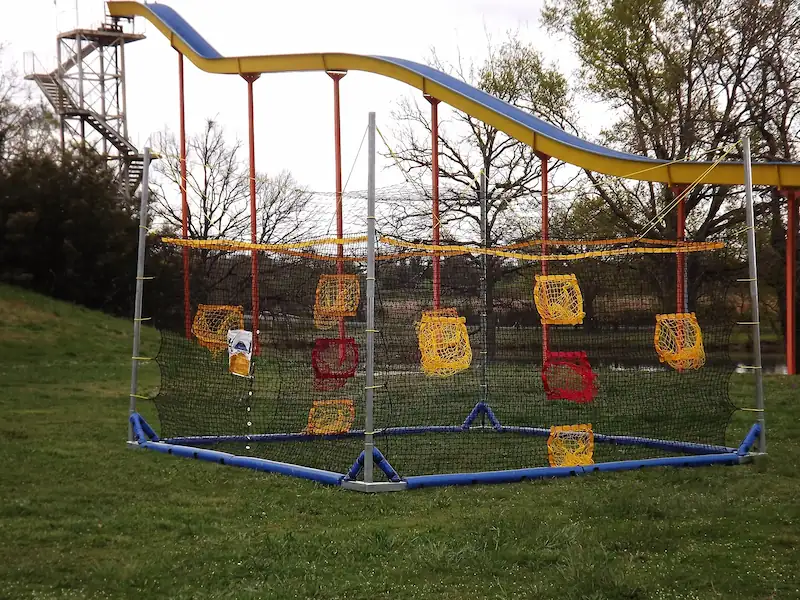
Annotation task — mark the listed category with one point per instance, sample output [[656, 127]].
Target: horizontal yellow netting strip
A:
[[675, 249], [606, 242], [296, 249], [235, 245]]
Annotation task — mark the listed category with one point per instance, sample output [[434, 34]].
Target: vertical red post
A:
[[680, 271], [681, 257], [250, 78], [437, 279], [791, 270], [337, 140], [545, 234], [187, 307]]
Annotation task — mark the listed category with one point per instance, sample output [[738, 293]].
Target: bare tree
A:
[[285, 210], [218, 192], [514, 72], [218, 198], [25, 125], [216, 184]]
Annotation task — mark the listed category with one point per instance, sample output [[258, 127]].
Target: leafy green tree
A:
[[686, 79], [66, 230]]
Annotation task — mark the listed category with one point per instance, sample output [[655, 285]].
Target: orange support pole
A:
[[437, 278], [545, 234], [791, 283], [337, 140], [187, 307], [680, 271], [250, 78]]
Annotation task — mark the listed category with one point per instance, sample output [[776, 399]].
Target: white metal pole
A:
[[137, 304], [370, 383], [753, 279]]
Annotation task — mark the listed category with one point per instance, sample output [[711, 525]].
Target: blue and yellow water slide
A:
[[541, 136]]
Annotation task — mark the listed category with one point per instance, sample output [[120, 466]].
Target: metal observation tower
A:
[[87, 90]]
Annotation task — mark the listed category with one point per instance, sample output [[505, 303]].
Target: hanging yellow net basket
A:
[[337, 296], [443, 342], [570, 446], [679, 341], [558, 299], [213, 321], [328, 417]]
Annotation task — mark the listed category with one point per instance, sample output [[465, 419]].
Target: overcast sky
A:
[[294, 114]]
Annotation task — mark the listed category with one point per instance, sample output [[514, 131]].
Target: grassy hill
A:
[[82, 516]]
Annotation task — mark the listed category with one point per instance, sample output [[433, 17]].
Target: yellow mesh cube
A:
[[679, 341], [571, 446], [328, 417], [443, 342], [558, 299], [212, 322], [337, 296]]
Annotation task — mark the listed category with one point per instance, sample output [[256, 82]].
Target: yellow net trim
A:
[[570, 446], [443, 342], [337, 296], [439, 312], [328, 417], [605, 242], [298, 249], [679, 341], [212, 322], [305, 249], [558, 299], [671, 249], [232, 245]]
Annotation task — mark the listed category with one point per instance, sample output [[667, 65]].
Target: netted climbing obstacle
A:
[[212, 322], [443, 342], [570, 446], [679, 341], [558, 299], [470, 390]]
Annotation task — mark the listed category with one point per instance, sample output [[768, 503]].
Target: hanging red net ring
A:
[[569, 376], [334, 359]]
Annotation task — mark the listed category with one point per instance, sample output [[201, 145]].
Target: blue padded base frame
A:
[[224, 458], [716, 455], [516, 475]]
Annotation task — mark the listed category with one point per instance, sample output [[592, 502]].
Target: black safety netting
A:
[[303, 401]]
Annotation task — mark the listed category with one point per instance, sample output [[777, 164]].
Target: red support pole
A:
[[680, 272], [437, 278], [250, 78], [791, 270], [337, 135], [187, 307], [545, 234]]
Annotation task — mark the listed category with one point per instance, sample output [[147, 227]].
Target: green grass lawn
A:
[[82, 516]]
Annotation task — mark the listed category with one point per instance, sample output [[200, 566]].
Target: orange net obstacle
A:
[[443, 342], [571, 445], [558, 299], [328, 417], [213, 321], [679, 341]]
